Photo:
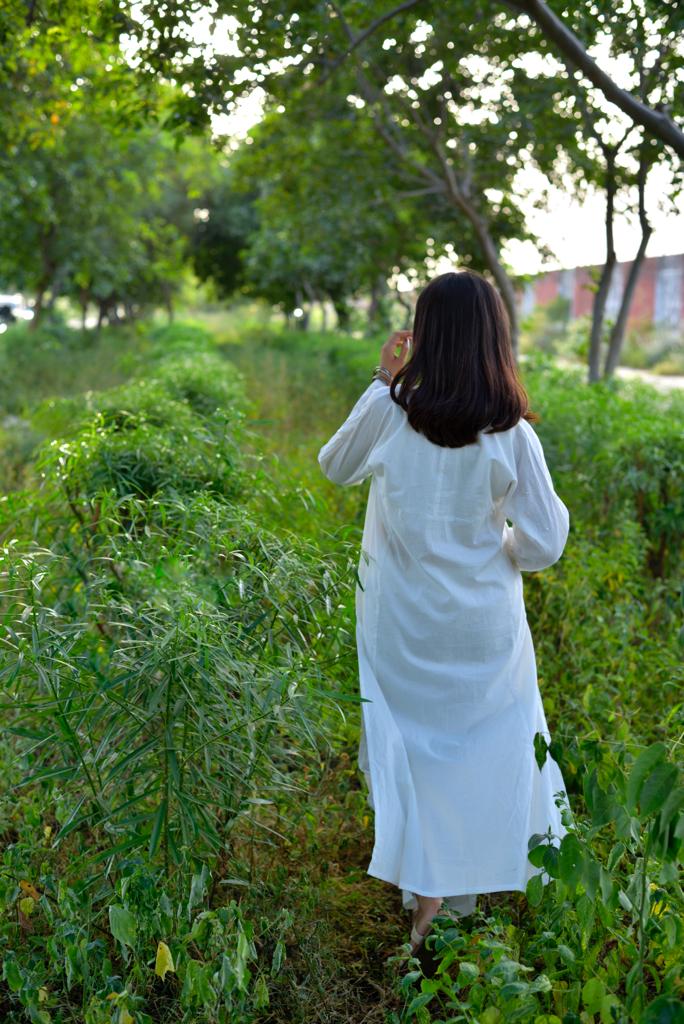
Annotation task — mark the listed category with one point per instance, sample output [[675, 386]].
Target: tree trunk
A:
[[313, 298], [459, 193], [83, 300], [617, 334], [47, 274], [342, 313], [406, 303], [599, 308], [463, 201], [38, 307], [457, 190], [302, 321], [378, 291]]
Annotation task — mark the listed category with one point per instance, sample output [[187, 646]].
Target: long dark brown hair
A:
[[462, 377]]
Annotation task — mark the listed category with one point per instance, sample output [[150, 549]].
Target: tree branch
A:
[[355, 41], [655, 122]]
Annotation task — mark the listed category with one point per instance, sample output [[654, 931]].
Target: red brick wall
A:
[[546, 288], [643, 303], [584, 291]]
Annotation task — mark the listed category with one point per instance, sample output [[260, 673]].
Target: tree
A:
[[563, 33], [619, 158], [450, 110], [224, 223], [78, 219], [335, 217], [84, 176], [667, 19]]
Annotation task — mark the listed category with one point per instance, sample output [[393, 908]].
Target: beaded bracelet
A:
[[383, 374]]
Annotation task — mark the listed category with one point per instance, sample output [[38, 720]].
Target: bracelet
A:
[[383, 374]]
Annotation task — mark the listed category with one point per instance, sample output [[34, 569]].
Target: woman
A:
[[460, 502]]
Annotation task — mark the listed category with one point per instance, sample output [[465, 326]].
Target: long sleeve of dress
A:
[[540, 519], [344, 459]]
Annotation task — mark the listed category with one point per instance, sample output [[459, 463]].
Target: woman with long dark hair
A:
[[460, 502]]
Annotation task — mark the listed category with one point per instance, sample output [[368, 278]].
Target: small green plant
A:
[[604, 935], [144, 947]]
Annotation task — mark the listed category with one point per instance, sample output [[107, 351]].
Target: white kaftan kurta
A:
[[446, 661]]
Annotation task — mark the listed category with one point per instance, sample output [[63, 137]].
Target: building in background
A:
[[658, 299]]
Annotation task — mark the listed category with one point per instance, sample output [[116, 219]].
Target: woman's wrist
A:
[[381, 373]]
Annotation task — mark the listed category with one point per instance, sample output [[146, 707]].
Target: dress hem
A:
[[479, 890]]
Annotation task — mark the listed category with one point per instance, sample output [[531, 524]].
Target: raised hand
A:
[[396, 351]]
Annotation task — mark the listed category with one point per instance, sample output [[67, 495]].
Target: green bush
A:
[[617, 452], [177, 606], [604, 937], [160, 683], [145, 949]]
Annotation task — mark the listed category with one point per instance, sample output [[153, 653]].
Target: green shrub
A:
[[58, 360], [177, 605], [616, 451], [604, 937], [606, 624], [144, 953], [160, 681]]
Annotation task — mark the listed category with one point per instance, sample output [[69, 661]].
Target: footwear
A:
[[418, 938], [425, 957]]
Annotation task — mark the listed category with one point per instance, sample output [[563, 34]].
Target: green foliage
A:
[[219, 238], [80, 224], [96, 203], [614, 873], [160, 683], [38, 364], [56, 360], [546, 327], [316, 237], [174, 639], [93, 960], [618, 447]]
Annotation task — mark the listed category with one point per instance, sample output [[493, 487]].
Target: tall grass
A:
[[160, 680]]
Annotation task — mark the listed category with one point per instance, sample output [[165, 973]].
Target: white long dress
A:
[[446, 662]]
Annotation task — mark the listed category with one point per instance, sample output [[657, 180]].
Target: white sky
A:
[[574, 231], [571, 229]]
